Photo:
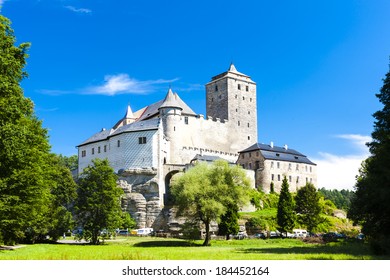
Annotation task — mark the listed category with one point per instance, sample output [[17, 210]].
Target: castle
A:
[[147, 147]]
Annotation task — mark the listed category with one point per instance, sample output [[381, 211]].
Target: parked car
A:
[[299, 233], [360, 236], [260, 235], [333, 236], [274, 234]]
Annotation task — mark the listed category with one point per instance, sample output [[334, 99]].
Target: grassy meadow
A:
[[150, 248]]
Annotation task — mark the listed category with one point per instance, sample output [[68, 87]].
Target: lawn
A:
[[149, 248]]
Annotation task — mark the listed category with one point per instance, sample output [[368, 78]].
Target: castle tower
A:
[[231, 96]]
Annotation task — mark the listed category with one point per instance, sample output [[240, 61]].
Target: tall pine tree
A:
[[286, 215], [370, 205]]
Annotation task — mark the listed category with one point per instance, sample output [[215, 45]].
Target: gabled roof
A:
[[136, 126], [272, 152]]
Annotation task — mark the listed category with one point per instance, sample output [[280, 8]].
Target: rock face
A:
[[141, 198]]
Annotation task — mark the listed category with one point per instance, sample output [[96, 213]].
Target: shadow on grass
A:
[[167, 243], [319, 252]]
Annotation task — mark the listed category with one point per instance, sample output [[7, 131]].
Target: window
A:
[[249, 112], [236, 110], [250, 154], [238, 123], [272, 177], [289, 166], [243, 166], [119, 143], [250, 165], [105, 148], [257, 154], [93, 151], [247, 88], [278, 177], [186, 120], [216, 88], [289, 179], [83, 153], [239, 86], [250, 99], [272, 164], [243, 98], [236, 96], [141, 140], [306, 168], [99, 150], [243, 155], [249, 138], [278, 164], [311, 170], [297, 179], [248, 124], [212, 99], [257, 164], [297, 168], [307, 180]]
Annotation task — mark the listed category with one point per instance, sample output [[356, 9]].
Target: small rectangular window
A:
[[141, 140], [247, 88], [105, 148], [278, 164], [216, 88], [272, 177], [278, 177], [99, 150], [239, 86], [83, 153], [250, 165], [93, 151], [119, 143], [289, 179], [186, 120]]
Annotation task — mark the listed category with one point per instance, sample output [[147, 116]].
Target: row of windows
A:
[[239, 123], [290, 178], [238, 87], [310, 168], [141, 140]]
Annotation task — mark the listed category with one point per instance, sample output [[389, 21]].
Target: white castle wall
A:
[[128, 155]]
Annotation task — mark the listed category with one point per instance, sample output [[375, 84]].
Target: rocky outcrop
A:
[[141, 196]]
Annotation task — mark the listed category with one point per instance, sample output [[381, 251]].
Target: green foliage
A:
[[371, 206], [341, 199], [98, 202], [127, 221], [71, 162], [229, 221], [285, 216], [30, 197], [307, 207], [205, 191]]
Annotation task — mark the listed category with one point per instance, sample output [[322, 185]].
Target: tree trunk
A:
[[207, 239]]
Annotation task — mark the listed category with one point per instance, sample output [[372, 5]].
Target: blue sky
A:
[[317, 64]]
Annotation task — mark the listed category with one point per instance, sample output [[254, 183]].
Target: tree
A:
[[98, 202], [307, 206], [205, 192], [24, 149], [63, 190], [285, 215], [229, 222], [370, 206]]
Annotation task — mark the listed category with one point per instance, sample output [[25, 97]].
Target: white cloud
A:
[[78, 10], [113, 85], [122, 83], [340, 171]]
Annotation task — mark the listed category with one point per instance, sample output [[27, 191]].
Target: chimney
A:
[[272, 144], [286, 147]]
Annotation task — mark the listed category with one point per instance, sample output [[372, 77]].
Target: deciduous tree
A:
[[370, 205], [24, 149], [98, 201], [307, 206], [205, 192]]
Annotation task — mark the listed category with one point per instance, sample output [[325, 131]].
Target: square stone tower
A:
[[231, 96]]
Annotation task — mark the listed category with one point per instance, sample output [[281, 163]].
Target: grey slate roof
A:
[[278, 153], [136, 126]]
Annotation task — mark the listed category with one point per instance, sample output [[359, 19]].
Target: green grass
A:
[[148, 248]]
